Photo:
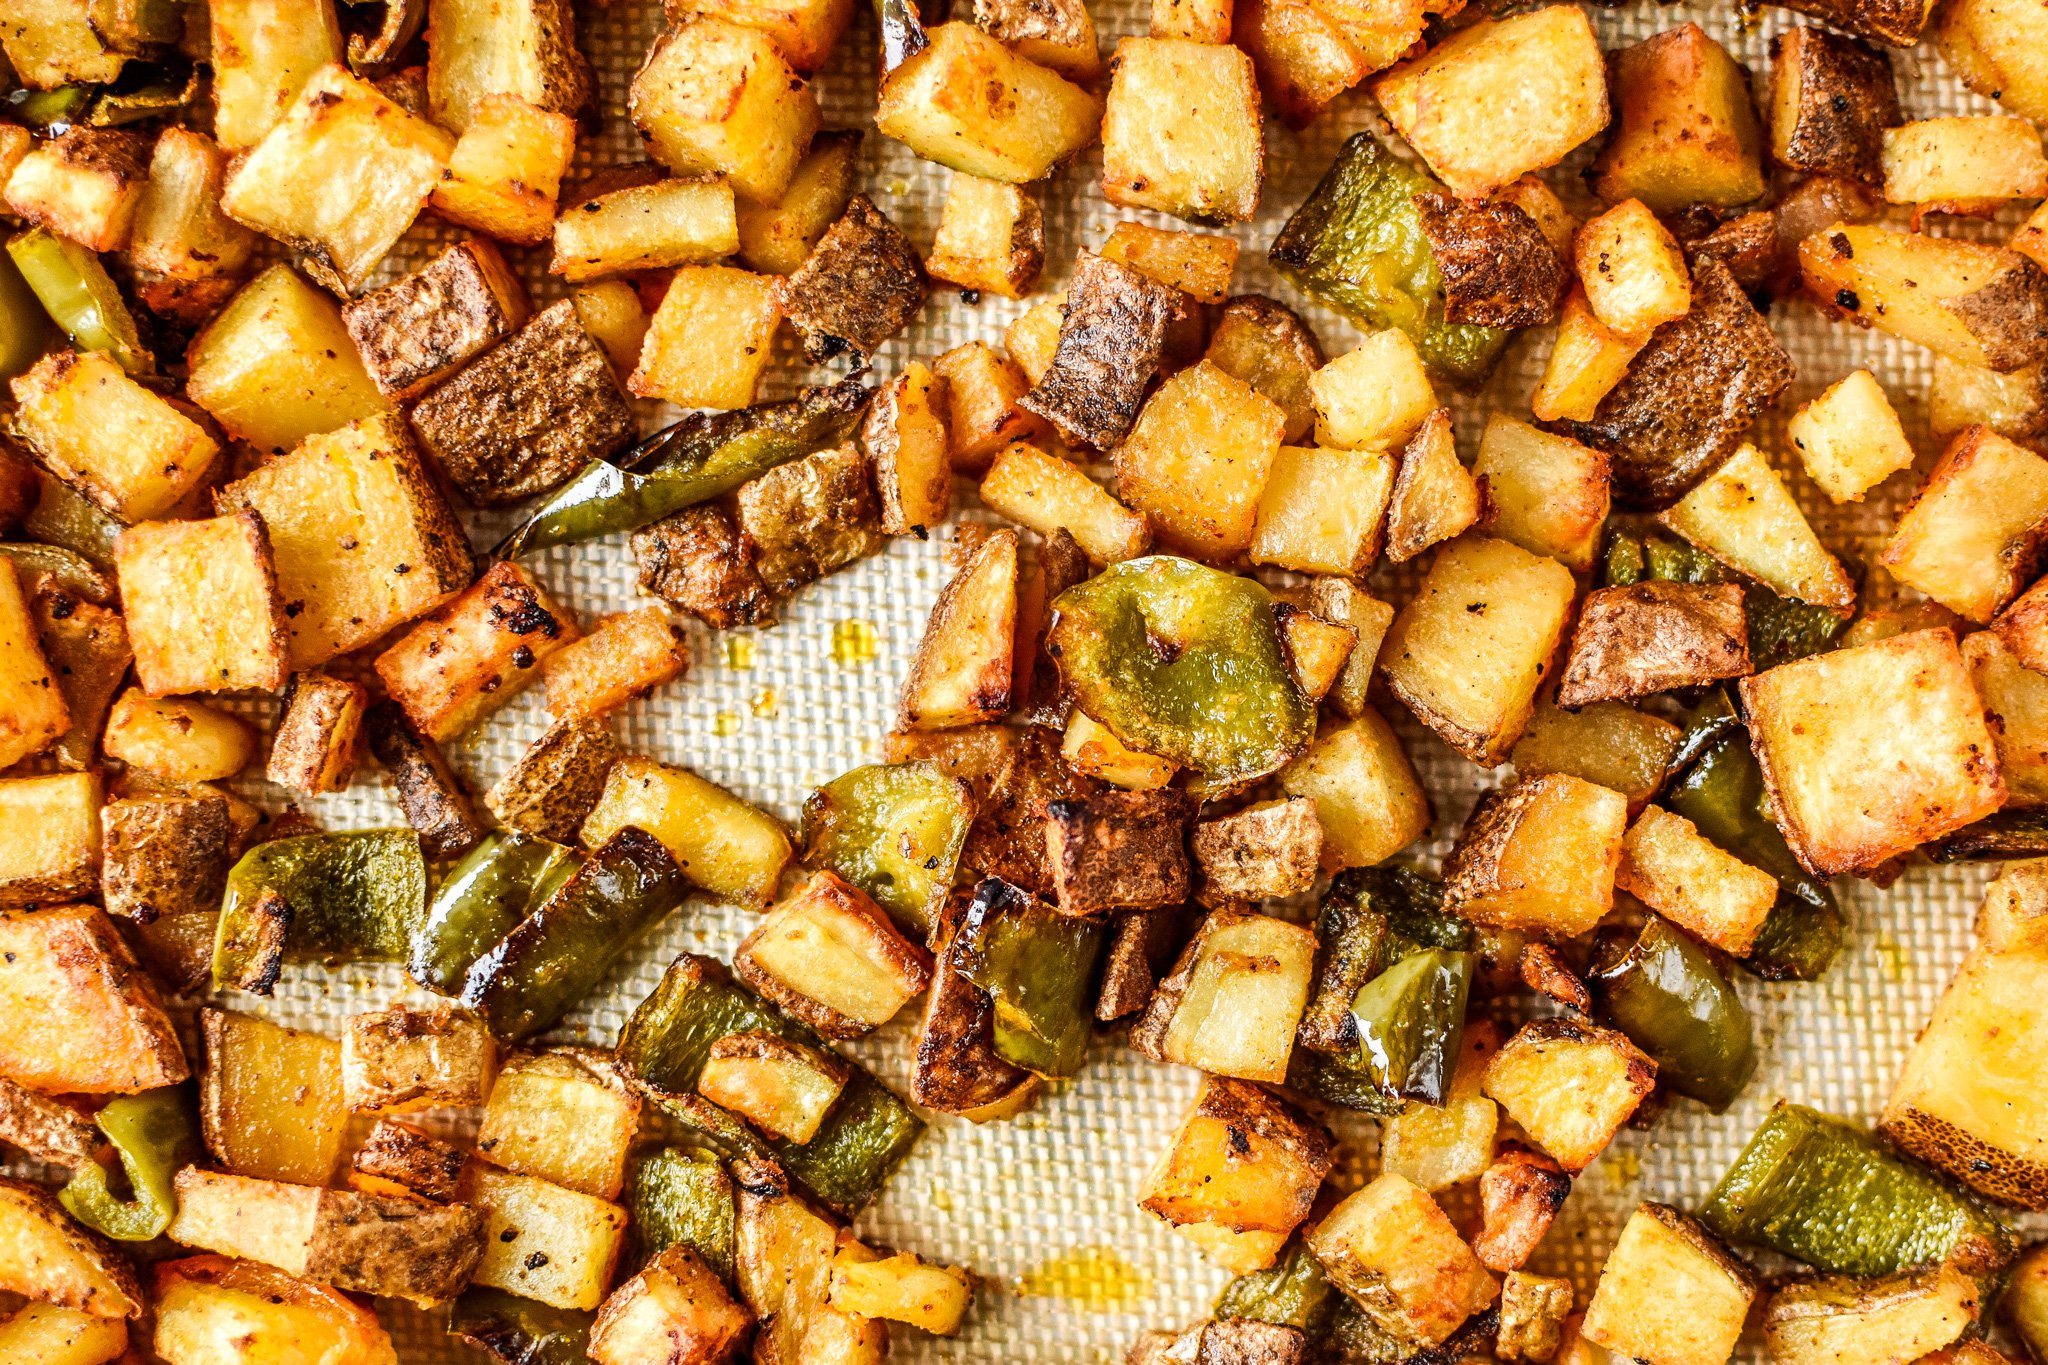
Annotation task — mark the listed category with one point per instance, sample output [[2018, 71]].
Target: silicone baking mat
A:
[[1043, 1207]]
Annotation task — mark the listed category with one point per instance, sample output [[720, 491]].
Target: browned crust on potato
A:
[[125, 1299], [811, 517], [2023, 627], [1140, 943], [1747, 244], [1498, 268], [397, 1248], [904, 959], [1148, 1034], [1258, 853], [1519, 1196], [697, 562], [1268, 346], [1111, 340], [2008, 316], [1841, 95], [1119, 851], [314, 749], [1895, 23], [419, 330], [956, 1069], [2007, 1176], [557, 782], [433, 798], [861, 285], [270, 920], [1652, 637], [1251, 1111], [164, 855], [1062, 23], [406, 1156], [1545, 971], [1008, 838], [1062, 564], [47, 1129]]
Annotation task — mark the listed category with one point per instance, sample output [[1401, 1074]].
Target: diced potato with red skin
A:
[[991, 237], [212, 1308], [1670, 1292], [714, 98], [1570, 1086], [728, 847], [88, 1020], [1045, 493], [832, 957], [1395, 1253], [1540, 74], [1743, 515], [1587, 359], [1367, 797], [473, 655], [562, 1116], [1232, 1002], [542, 1241], [967, 102], [1323, 511], [982, 416], [1963, 164], [1240, 1175], [1871, 751], [270, 1099], [1672, 868], [1632, 270], [1545, 493], [1849, 438], [1198, 459], [1539, 856], [1373, 397], [1975, 533], [85, 184], [624, 656], [133, 453], [676, 1310], [203, 609], [33, 712], [1978, 304], [179, 741], [711, 339], [505, 172], [1686, 131]]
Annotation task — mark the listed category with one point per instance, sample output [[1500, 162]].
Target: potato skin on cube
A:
[[1652, 637], [676, 1309], [1262, 852], [480, 48], [862, 284], [1519, 1196], [1498, 268], [63, 863], [417, 331], [1539, 856], [1973, 302], [1232, 1002], [1118, 851], [1831, 98], [563, 1116], [164, 856], [1111, 340], [319, 737]]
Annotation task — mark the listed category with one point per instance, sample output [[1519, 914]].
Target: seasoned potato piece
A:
[[725, 845], [2023, 627], [419, 330], [1180, 130], [624, 656], [1198, 264], [210, 1308], [1849, 438], [1434, 496], [1498, 268], [87, 1018], [1397, 1256], [1969, 164], [1269, 347], [1519, 1196], [85, 184], [714, 98], [1316, 650], [1232, 1002], [991, 237], [697, 562], [775, 238], [203, 607], [830, 956], [784, 1088], [542, 1241], [805, 30], [1670, 1292], [34, 713], [165, 858], [1120, 850], [1981, 305], [562, 1116], [1832, 97], [1367, 797], [60, 858], [46, 1256], [1046, 494], [179, 741], [1373, 397], [1323, 511], [1059, 35], [967, 102], [44, 1334], [557, 782], [1303, 56], [982, 392], [1996, 47], [1437, 1146], [862, 284], [319, 737], [1652, 637], [130, 451], [1545, 493], [1685, 133], [473, 655], [1198, 459], [505, 171], [1539, 73], [1868, 752], [711, 339], [480, 48], [1266, 850], [905, 435], [399, 1159], [1240, 1175], [1570, 1086], [1909, 1314], [1976, 531], [964, 664], [400, 1059], [263, 52], [1539, 856], [1674, 870], [1533, 1309], [51, 43], [2016, 708], [1744, 516], [611, 312], [2013, 404], [677, 1309], [1632, 270], [271, 1103], [1111, 340], [1587, 360]]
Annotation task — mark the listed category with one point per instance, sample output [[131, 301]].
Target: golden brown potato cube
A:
[[85, 184], [1849, 438], [862, 284], [45, 1334], [2016, 709], [1632, 270], [1966, 164], [676, 1309], [340, 179], [905, 435], [806, 31], [624, 656], [479, 48], [203, 609], [1374, 397], [1979, 304], [2013, 404], [711, 339], [181, 238], [319, 737], [1673, 869], [1241, 1173], [61, 859], [2023, 627], [52, 43], [714, 98], [470, 657], [1545, 493], [1974, 534], [88, 1020], [1670, 1292], [542, 1241], [1269, 347], [964, 664], [1344, 602], [1112, 336], [1913, 1313], [1316, 650], [419, 330], [263, 52], [1519, 1196], [1434, 496], [1367, 798], [271, 1102], [1868, 752], [1323, 511], [646, 227], [1471, 675], [1121, 850], [982, 416], [179, 741], [1233, 1000], [1180, 130], [1045, 493], [784, 1088], [1264, 851], [1303, 57], [1831, 97], [810, 517], [1198, 264], [775, 238], [867, 1288], [203, 1301], [1059, 36], [611, 312], [728, 847], [398, 1159], [1539, 856], [991, 237], [1397, 1256], [561, 1116], [967, 102], [1996, 49], [696, 561], [505, 172], [1094, 751], [50, 1256], [163, 856], [1653, 637], [399, 1059], [1744, 516], [1197, 21], [1540, 74], [1685, 130], [33, 711], [1587, 359], [1570, 1086], [1197, 461], [134, 454], [830, 956]]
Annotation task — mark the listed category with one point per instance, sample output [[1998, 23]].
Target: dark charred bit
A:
[[1111, 339], [1498, 268], [861, 285], [431, 795], [697, 562]]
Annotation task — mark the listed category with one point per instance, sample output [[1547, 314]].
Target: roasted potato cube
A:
[[557, 782], [805, 30], [51, 1259], [1539, 73], [271, 1103], [2013, 404], [728, 847], [1471, 675], [542, 1241], [87, 1019], [1198, 264], [2016, 708], [697, 562], [624, 656], [1180, 130], [611, 312], [203, 609], [1342, 601], [964, 665], [991, 237], [1995, 48], [711, 339], [967, 102], [1849, 438], [1832, 97], [60, 860], [435, 802], [34, 713], [1437, 1146], [776, 238], [376, 165], [1673, 869], [784, 1088], [1434, 496], [1399, 1259], [1539, 856], [85, 184], [1047, 494], [398, 1159], [319, 736], [210, 1308], [1111, 340], [134, 454], [1374, 397], [831, 957], [164, 855], [47, 1129], [53, 43], [399, 1059], [1519, 1196], [45, 1334], [810, 517], [187, 254], [1653, 637], [714, 98], [1587, 360], [676, 1309], [179, 741], [1241, 1173], [861, 285], [1269, 347], [1532, 1313], [1232, 1002], [1685, 132], [1909, 1314], [1498, 268], [1198, 21], [1545, 493], [470, 657], [1367, 797], [480, 48], [560, 1116], [263, 52], [1632, 270], [1198, 459], [1744, 516], [505, 172], [1262, 852], [1059, 36], [1118, 850], [2023, 627], [418, 331], [905, 435], [1303, 57], [1570, 1086], [1981, 305], [1969, 164], [1670, 1292], [1973, 537], [982, 415]]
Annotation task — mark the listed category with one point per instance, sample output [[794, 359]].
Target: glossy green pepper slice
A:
[[1670, 997], [895, 830], [1292, 1292], [76, 291], [2019, 833], [683, 1194], [662, 1049], [555, 956], [701, 457], [155, 1134], [497, 884], [25, 327], [1037, 966], [65, 518], [51, 112], [1184, 662], [1369, 917], [1357, 243], [1831, 1195], [903, 35], [517, 1331], [1411, 1020], [357, 896]]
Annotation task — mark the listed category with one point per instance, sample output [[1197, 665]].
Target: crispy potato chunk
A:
[[1969, 164], [179, 741], [1047, 494], [1059, 36], [1632, 270], [419, 330], [832, 957], [46, 1256], [542, 1241], [1121, 850], [1545, 493], [1673, 869], [1850, 438], [270, 1099], [1670, 1292], [33, 711], [1979, 304], [1744, 516], [781, 1087], [1367, 797], [1323, 511], [1111, 340], [1652, 637], [1234, 999], [1373, 397], [562, 1116], [1539, 856], [400, 1059], [968, 102], [2016, 709], [982, 412], [60, 858], [88, 1019], [2023, 627], [203, 608], [1498, 267], [1198, 459], [472, 656], [505, 171], [1180, 130], [85, 184], [1570, 1086], [711, 339], [676, 1309], [399, 1159], [1395, 1253], [552, 788], [862, 284], [1996, 48], [1519, 1196], [776, 238], [1686, 132], [728, 847], [1975, 533], [133, 453], [1915, 1312], [964, 664], [1266, 850], [1831, 99], [719, 99], [1435, 496], [480, 48], [624, 656], [319, 738], [991, 237], [212, 1307], [1241, 1174], [1586, 361]]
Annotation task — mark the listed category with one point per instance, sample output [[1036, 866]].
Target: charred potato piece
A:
[[471, 657], [47, 1129], [431, 795], [164, 855], [1118, 851], [1653, 637], [1498, 268], [416, 332], [397, 1158], [862, 284], [956, 1069], [1264, 851], [556, 783], [810, 517], [1831, 99], [400, 1059], [1141, 944], [1241, 1174], [1110, 344], [1008, 836], [316, 746], [696, 561], [1056, 34]]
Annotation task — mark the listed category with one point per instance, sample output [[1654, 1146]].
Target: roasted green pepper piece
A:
[[517, 1331], [2020, 833], [1357, 243], [895, 830], [683, 1194], [25, 328], [699, 458], [51, 112], [1351, 949], [351, 896], [1670, 997], [72, 572], [497, 884], [66, 518], [662, 1049], [1781, 629], [555, 956], [1037, 966], [76, 291], [1714, 717], [1184, 662], [1832, 1196], [1292, 1292], [1411, 1020], [903, 34], [143, 93], [155, 1134]]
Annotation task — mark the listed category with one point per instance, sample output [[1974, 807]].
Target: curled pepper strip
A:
[[153, 1134]]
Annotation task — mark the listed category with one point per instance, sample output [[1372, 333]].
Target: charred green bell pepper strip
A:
[[1292, 1292], [555, 956], [155, 1134], [2020, 833], [701, 457], [895, 830], [51, 112], [1833, 1196], [516, 1331], [76, 291], [355, 896], [1357, 243], [1037, 966], [1673, 1001], [1411, 1020], [1714, 717], [683, 1195], [1185, 662], [65, 518], [25, 327], [72, 572], [865, 1135], [148, 94], [1351, 949], [485, 896]]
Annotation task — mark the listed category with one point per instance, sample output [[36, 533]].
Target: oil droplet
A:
[[737, 651], [941, 1198], [853, 643], [1624, 1166], [725, 724], [1095, 1278], [765, 702], [1891, 959]]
